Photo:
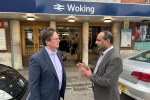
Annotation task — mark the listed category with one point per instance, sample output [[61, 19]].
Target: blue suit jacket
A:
[[43, 79]]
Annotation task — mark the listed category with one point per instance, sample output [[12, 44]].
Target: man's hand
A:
[[85, 72], [82, 66]]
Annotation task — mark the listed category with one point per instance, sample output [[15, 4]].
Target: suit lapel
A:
[[98, 59], [49, 61], [61, 61], [106, 56], [60, 58]]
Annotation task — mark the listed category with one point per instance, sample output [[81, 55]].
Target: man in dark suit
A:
[[106, 73], [47, 78]]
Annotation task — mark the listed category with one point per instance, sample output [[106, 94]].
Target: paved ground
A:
[[87, 95], [78, 87], [79, 95]]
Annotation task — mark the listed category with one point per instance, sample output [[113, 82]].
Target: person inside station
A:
[[74, 46], [63, 47]]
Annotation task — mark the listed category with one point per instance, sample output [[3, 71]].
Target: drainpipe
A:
[[119, 36], [11, 42]]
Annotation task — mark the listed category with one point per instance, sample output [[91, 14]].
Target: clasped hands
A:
[[84, 69]]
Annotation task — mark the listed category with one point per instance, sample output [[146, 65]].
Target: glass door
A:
[[28, 40], [31, 42], [39, 30]]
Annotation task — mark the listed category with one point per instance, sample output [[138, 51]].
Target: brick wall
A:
[[7, 36], [134, 1]]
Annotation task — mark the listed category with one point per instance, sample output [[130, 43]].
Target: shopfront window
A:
[[142, 36]]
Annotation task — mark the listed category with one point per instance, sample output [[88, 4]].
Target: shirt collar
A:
[[106, 51], [50, 52]]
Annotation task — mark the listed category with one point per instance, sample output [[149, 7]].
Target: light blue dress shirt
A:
[[57, 65], [101, 58]]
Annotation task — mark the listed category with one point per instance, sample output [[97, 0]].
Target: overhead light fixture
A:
[[30, 18], [107, 20], [71, 20], [145, 20]]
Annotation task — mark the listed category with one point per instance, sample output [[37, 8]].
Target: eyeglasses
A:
[[56, 39]]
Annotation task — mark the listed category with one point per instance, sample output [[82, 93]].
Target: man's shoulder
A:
[[38, 54], [115, 53]]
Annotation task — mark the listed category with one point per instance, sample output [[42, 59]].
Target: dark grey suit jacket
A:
[[106, 79]]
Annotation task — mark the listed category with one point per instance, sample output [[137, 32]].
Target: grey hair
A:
[[108, 35]]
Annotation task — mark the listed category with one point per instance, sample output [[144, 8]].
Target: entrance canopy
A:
[[51, 9]]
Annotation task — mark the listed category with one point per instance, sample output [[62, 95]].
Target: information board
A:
[[3, 39], [126, 37]]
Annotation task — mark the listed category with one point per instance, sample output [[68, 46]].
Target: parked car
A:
[[13, 86], [135, 78]]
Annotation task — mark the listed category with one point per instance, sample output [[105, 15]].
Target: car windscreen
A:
[[143, 57]]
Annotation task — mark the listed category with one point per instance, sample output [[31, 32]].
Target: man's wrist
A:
[[89, 75]]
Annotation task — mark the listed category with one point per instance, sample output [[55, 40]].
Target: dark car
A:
[[13, 86]]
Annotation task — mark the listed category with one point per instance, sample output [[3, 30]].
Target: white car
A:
[[135, 78]]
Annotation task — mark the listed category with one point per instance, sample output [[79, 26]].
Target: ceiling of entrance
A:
[[64, 18]]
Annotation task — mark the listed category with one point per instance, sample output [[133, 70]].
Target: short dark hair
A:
[[63, 37], [47, 34], [108, 35]]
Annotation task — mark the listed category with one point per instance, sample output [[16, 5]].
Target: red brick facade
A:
[[7, 35], [134, 1]]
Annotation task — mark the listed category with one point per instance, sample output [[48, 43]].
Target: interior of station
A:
[[31, 42]]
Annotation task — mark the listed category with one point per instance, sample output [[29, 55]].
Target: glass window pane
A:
[[40, 41], [29, 40], [144, 57]]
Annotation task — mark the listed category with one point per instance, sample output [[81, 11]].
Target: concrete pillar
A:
[[16, 40], [53, 24], [115, 32], [85, 34]]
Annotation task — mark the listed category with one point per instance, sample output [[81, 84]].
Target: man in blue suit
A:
[[47, 78]]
